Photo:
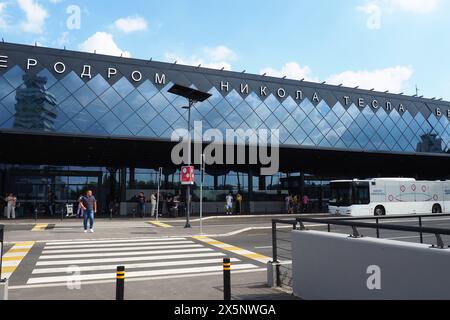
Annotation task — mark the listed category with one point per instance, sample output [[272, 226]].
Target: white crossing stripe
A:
[[62, 243], [124, 254], [191, 245], [98, 259], [134, 259], [136, 274], [116, 245], [137, 265]]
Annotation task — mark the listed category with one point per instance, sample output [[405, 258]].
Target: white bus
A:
[[389, 196]]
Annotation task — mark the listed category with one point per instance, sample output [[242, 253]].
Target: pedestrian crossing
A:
[[97, 260]]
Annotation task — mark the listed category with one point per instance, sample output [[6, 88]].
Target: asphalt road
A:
[[165, 258]]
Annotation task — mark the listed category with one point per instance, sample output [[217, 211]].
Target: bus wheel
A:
[[437, 209], [380, 211]]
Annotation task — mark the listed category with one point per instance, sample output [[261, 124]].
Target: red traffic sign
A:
[[187, 175]]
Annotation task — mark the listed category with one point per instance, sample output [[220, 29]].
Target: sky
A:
[[394, 45]]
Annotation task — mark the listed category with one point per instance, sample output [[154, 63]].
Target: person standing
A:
[[80, 212], [239, 200], [89, 205], [229, 205], [153, 200], [141, 204], [11, 201], [51, 203], [305, 203]]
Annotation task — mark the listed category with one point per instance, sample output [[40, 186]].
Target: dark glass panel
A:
[[110, 122], [135, 100], [72, 82], [15, 76], [98, 84], [147, 113], [135, 124], [147, 89], [123, 87], [110, 97], [85, 95]]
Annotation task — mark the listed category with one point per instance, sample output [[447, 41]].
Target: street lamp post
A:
[[193, 97]]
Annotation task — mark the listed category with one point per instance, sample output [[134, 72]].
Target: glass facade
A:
[[41, 98]]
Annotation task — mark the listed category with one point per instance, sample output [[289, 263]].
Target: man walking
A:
[[89, 205]]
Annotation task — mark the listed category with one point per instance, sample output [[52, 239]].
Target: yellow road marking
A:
[[14, 257], [160, 224], [18, 250], [236, 250], [39, 227]]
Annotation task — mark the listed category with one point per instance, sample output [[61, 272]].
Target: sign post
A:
[[160, 172], [202, 181], [188, 180]]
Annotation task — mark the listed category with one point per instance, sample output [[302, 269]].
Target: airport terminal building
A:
[[71, 121]]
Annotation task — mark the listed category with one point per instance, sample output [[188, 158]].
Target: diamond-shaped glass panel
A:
[[98, 84], [253, 100], [263, 111], [123, 111], [323, 108], [147, 89], [110, 122], [83, 120], [158, 102], [71, 107], [15, 76], [60, 92], [51, 80], [147, 113], [123, 87], [135, 100], [97, 109], [135, 124], [110, 97], [159, 125], [234, 98], [85, 95], [72, 82]]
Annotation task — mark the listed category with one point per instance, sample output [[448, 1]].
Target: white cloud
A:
[[103, 43], [391, 6], [35, 16], [220, 53], [215, 58], [291, 70], [131, 24], [392, 79], [3, 16]]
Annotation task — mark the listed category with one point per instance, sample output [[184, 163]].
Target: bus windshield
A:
[[345, 194], [341, 194]]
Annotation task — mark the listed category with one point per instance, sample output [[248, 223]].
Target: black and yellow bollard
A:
[[120, 283], [227, 279]]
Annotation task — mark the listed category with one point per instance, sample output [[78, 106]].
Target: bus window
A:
[[361, 194]]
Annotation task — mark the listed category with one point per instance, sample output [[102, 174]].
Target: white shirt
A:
[[230, 200]]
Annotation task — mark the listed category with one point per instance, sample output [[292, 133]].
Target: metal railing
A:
[[282, 229], [354, 223], [282, 250]]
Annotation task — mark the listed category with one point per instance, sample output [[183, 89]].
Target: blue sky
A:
[[382, 44]]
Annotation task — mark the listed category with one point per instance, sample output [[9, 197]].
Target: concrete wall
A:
[[336, 267]]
